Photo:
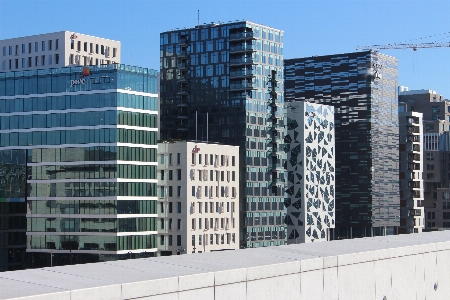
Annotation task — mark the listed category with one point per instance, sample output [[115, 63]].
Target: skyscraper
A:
[[214, 84], [310, 190], [362, 87]]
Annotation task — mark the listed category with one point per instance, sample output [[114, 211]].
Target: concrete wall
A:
[[414, 266]]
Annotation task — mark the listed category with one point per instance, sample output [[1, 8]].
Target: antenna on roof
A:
[[198, 17]]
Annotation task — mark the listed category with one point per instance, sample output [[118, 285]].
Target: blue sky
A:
[[311, 27]]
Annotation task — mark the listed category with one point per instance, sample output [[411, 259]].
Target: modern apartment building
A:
[[362, 88], [89, 138], [412, 219], [55, 50], [214, 87], [436, 152], [310, 189], [198, 196]]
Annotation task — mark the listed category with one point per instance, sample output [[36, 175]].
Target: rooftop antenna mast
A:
[[198, 17]]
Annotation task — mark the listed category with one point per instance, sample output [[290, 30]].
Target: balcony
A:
[[241, 36], [248, 73], [183, 42], [182, 90], [183, 53], [182, 66], [241, 86], [242, 61], [242, 48]]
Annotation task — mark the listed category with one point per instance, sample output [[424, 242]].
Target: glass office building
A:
[[89, 136], [215, 87], [362, 87]]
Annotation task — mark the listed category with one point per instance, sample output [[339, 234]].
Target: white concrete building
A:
[[198, 197], [55, 50], [309, 144], [412, 217]]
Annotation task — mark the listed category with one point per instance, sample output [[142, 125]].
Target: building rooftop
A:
[[152, 276]]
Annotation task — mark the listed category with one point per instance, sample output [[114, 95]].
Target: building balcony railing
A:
[[183, 54], [249, 73], [183, 41], [241, 86], [241, 36], [182, 90], [182, 66], [242, 48], [242, 61]]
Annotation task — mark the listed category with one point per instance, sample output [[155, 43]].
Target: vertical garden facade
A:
[[89, 134]]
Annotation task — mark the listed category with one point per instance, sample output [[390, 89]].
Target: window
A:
[[161, 241], [435, 109], [85, 47], [161, 223], [43, 60], [162, 174], [431, 215], [430, 156], [170, 191], [179, 207], [446, 215], [50, 59], [179, 174], [170, 223], [178, 240], [161, 191], [79, 46], [102, 49], [50, 45], [222, 175], [170, 158], [162, 159], [199, 223], [36, 46], [430, 175], [72, 44], [56, 44], [193, 224], [161, 206], [170, 207], [233, 176], [170, 240], [199, 239], [43, 46], [178, 224], [170, 175], [429, 127], [56, 59], [193, 191], [114, 52], [430, 167], [178, 191], [178, 158], [211, 239]]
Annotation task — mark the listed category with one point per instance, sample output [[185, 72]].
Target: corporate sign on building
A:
[[86, 72]]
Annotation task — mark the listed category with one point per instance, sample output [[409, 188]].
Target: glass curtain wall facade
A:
[[90, 141], [12, 210], [362, 87], [214, 87]]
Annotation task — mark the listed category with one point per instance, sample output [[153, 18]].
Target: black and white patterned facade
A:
[[310, 194]]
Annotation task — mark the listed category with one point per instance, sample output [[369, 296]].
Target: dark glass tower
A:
[[215, 87], [362, 87]]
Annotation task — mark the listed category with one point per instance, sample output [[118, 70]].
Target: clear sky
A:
[[311, 27]]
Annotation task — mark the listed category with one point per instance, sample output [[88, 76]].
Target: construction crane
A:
[[406, 46], [413, 46]]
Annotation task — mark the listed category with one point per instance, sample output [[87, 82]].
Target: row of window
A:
[[30, 61], [59, 80], [27, 48], [91, 171], [92, 207], [82, 136], [220, 175], [197, 191], [82, 242], [104, 100], [90, 224], [269, 218], [93, 48], [211, 159], [73, 119], [83, 154], [92, 189], [218, 238], [88, 61], [217, 207]]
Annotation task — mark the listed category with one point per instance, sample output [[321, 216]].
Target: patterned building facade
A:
[[310, 191], [214, 87], [362, 88]]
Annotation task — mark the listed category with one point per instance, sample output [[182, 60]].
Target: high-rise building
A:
[[310, 189], [55, 50], [89, 137], [198, 197], [214, 87], [436, 152], [362, 88], [412, 218]]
